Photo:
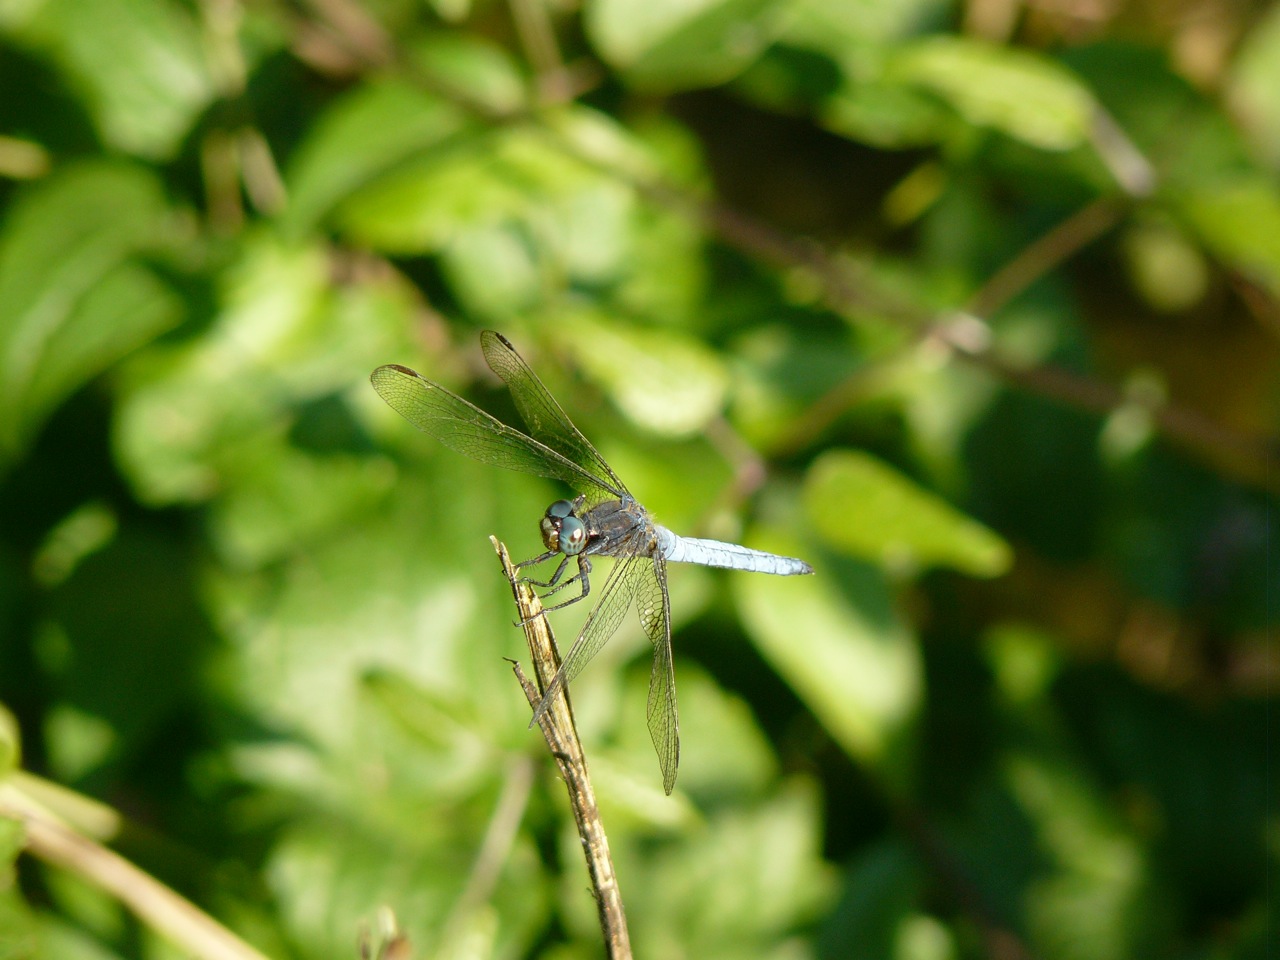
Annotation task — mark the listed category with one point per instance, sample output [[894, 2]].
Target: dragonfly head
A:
[[562, 530]]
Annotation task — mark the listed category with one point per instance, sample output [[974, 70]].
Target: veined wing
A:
[[545, 418], [601, 624], [655, 616], [466, 429], [643, 578]]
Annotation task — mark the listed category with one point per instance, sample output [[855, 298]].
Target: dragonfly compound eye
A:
[[560, 509], [573, 536]]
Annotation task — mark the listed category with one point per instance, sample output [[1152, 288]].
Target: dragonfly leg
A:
[[583, 576], [555, 577], [541, 558]]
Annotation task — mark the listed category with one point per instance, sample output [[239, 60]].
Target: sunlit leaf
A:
[[1239, 220], [1255, 85], [1023, 95], [10, 745], [195, 413], [511, 212], [493, 270], [280, 502], [672, 45], [662, 380], [19, 932], [328, 875], [722, 751], [866, 508]]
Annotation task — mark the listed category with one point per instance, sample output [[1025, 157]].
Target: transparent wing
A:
[[545, 418], [466, 429], [601, 624], [654, 606]]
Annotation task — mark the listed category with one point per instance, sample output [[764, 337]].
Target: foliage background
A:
[[973, 306]]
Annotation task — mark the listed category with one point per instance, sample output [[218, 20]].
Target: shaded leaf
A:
[[880, 890], [73, 298], [836, 640]]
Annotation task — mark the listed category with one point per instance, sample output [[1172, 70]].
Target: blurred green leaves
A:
[[362, 136], [746, 243], [664, 382], [1019, 94], [672, 46], [138, 67], [76, 294]]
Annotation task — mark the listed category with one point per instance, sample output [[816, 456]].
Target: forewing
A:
[[654, 607], [466, 429], [602, 623], [545, 418]]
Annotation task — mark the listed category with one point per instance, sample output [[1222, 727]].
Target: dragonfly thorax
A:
[[562, 531]]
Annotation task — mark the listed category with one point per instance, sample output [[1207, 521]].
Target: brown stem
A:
[[561, 735]]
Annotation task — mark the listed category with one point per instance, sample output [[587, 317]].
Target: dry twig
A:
[[562, 738]]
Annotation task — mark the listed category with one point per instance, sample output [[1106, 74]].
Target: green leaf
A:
[[864, 507], [73, 298], [885, 113], [1025, 96], [17, 927], [661, 379], [772, 850], [678, 44], [494, 270], [19, 936], [837, 641], [193, 415], [1254, 86], [139, 65], [1239, 220], [12, 841], [1097, 900], [511, 211], [363, 136], [10, 743]]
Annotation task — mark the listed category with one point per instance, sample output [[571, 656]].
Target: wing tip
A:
[[393, 368]]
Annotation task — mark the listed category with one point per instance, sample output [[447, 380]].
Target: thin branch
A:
[[175, 917], [1046, 253], [561, 734]]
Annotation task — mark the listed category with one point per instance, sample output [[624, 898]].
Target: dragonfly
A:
[[603, 519]]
